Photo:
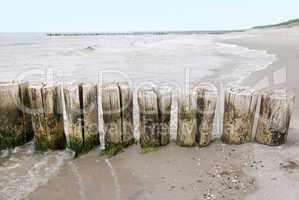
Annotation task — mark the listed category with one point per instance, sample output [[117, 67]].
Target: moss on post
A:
[[74, 117], [274, 117], [149, 118], [206, 100], [89, 99], [239, 109], [12, 131], [186, 130], [164, 95]]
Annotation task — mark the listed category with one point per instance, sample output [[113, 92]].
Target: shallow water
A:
[[163, 59]]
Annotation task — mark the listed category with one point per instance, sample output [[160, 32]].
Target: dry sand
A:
[[220, 171]]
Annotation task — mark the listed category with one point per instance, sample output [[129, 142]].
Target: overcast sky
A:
[[141, 15]]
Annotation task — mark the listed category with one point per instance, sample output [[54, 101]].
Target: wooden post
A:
[[274, 117], [206, 100], [24, 106], [89, 99], [52, 102], [111, 104], [74, 117], [149, 118], [164, 105], [11, 129], [239, 110], [126, 100], [38, 117], [186, 119]]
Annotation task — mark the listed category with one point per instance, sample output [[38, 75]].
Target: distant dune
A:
[[287, 24]]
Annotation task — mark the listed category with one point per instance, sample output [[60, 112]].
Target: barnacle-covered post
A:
[[12, 131], [187, 123], [206, 100], [274, 117], [38, 117], [89, 101], [24, 106], [52, 102], [239, 110], [74, 117], [111, 104], [126, 100], [148, 118], [164, 104]]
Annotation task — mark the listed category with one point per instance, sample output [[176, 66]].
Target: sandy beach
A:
[[219, 171]]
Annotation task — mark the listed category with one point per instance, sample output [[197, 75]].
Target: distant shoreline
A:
[[144, 33]]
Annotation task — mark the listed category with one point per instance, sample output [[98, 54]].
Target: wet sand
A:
[[220, 171]]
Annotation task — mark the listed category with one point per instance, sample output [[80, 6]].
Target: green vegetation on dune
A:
[[287, 24]]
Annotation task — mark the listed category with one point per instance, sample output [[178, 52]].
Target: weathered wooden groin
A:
[[89, 101], [126, 101], [74, 116], [239, 110], [47, 117], [24, 106], [82, 116], [187, 122], [12, 131], [274, 117], [206, 100], [117, 104], [154, 116], [164, 95], [37, 109]]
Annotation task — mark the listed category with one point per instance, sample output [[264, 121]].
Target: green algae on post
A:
[[148, 118], [164, 95], [12, 131], [112, 149], [274, 117], [206, 100], [239, 110], [187, 124]]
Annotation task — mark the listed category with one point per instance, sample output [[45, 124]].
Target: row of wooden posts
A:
[[30, 111]]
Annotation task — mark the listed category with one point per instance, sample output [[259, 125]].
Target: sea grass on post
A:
[[12, 131], [187, 123], [74, 117], [148, 118], [239, 110], [206, 100], [89, 95], [274, 117], [164, 95]]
